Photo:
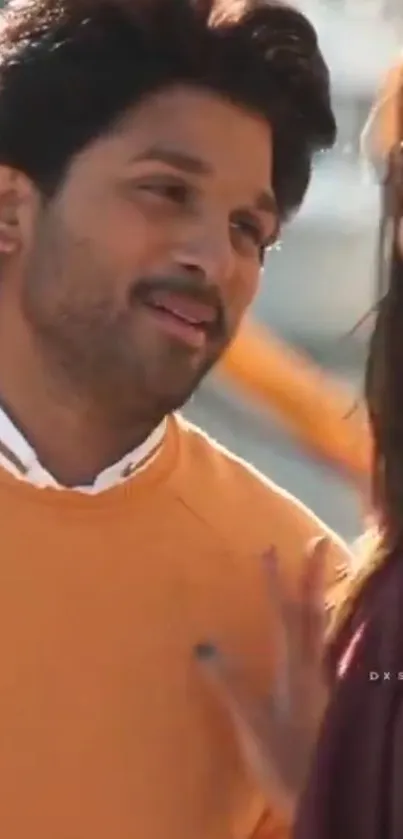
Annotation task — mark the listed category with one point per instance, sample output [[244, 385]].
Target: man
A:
[[149, 153]]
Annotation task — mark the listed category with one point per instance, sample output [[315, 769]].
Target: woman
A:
[[356, 781]]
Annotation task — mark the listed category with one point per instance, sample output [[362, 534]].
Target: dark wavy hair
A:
[[69, 69]]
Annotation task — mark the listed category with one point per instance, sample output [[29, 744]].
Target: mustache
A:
[[192, 288]]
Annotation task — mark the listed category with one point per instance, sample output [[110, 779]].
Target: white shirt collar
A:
[[19, 458]]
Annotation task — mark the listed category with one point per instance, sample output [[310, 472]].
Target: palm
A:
[[276, 738]]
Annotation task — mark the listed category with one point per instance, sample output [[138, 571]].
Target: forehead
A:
[[235, 144]]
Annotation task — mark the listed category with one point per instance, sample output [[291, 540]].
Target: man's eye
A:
[[175, 192], [250, 233], [251, 237], [252, 230]]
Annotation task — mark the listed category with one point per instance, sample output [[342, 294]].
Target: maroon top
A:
[[355, 788]]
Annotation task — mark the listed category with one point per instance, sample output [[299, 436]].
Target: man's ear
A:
[[18, 204]]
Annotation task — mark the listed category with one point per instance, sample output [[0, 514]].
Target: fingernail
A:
[[205, 651], [270, 556], [270, 561], [317, 542]]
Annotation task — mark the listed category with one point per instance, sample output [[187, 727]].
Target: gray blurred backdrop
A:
[[320, 282]]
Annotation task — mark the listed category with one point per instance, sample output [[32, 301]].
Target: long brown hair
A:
[[384, 396], [384, 373]]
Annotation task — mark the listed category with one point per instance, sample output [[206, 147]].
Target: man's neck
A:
[[74, 440], [73, 448]]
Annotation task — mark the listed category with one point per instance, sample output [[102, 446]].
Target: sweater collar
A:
[[19, 458]]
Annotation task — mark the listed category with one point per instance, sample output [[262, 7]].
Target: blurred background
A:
[[320, 282]]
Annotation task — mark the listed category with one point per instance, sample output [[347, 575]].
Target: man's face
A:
[[138, 271]]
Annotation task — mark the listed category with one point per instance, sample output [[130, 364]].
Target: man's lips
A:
[[188, 320], [191, 311]]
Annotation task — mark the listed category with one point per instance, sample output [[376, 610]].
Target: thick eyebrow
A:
[[177, 159], [265, 201]]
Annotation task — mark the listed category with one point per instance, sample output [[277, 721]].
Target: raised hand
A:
[[277, 735]]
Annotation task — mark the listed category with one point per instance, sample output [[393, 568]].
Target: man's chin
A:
[[168, 402], [171, 393]]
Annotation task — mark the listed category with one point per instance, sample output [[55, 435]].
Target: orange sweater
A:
[[107, 730]]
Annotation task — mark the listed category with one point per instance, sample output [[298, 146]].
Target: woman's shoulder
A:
[[347, 614]]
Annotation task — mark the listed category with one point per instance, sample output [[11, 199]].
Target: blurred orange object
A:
[[312, 405], [381, 132]]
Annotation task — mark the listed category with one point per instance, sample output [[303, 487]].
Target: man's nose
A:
[[206, 250]]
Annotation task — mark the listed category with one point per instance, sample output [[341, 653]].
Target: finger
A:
[[280, 695], [312, 598], [314, 568], [272, 569], [223, 677], [298, 627], [251, 727], [225, 682], [300, 624]]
